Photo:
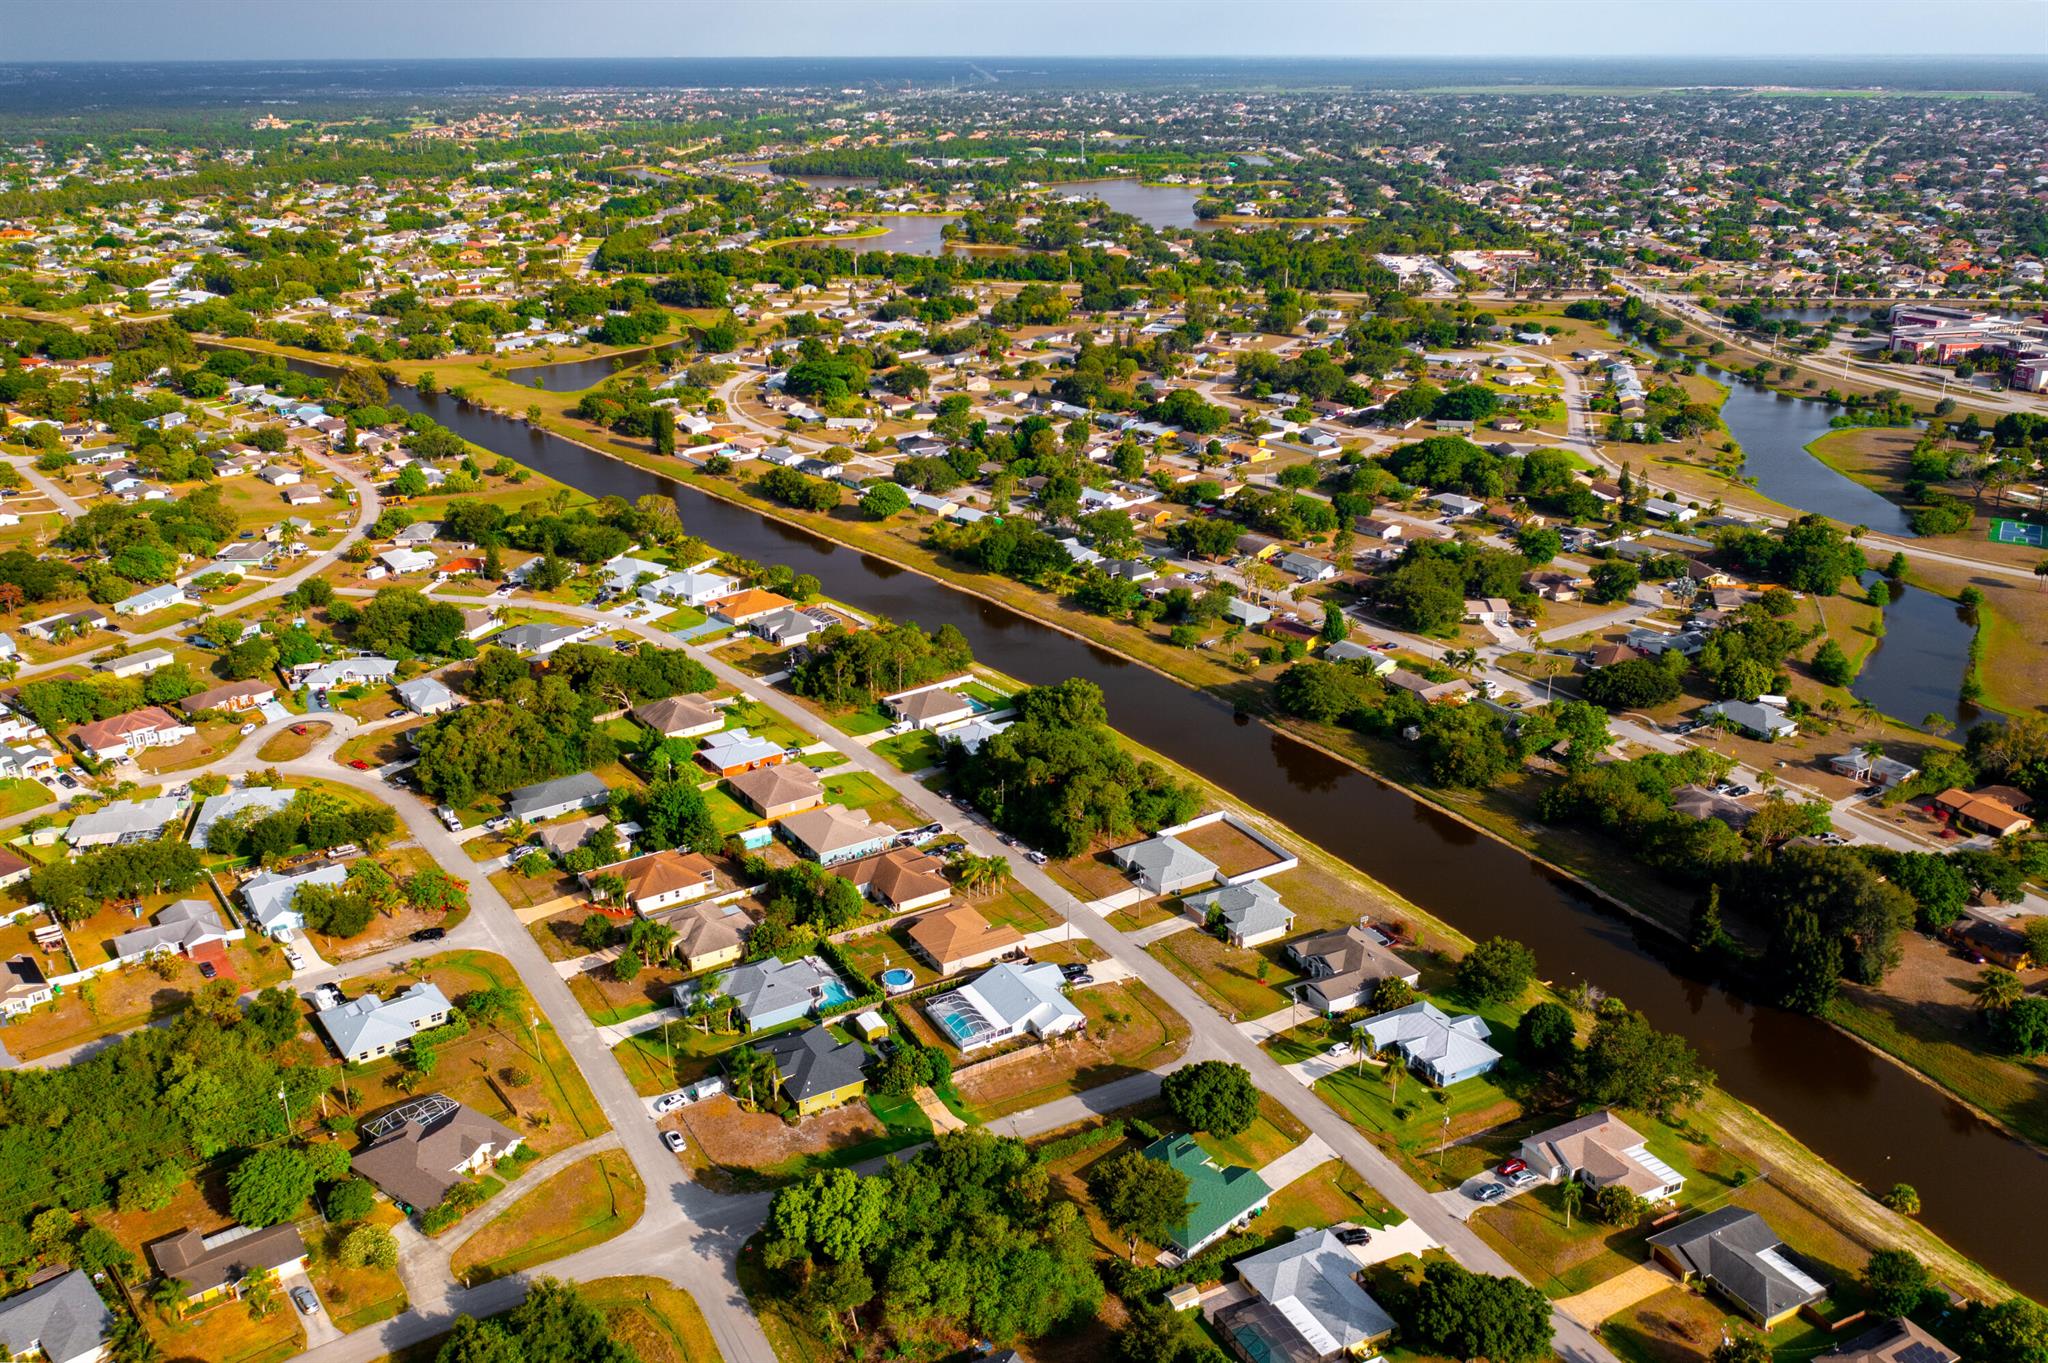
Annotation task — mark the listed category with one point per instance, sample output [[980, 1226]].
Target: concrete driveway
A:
[[319, 1328]]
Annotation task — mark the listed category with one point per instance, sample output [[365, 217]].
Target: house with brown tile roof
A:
[[241, 695], [1975, 809], [901, 880], [1345, 967], [751, 604], [776, 791], [150, 727], [707, 935], [660, 880], [680, 716], [424, 1146], [1893, 1341], [1599, 1150], [959, 938]]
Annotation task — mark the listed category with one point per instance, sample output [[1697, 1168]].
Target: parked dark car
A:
[[430, 934]]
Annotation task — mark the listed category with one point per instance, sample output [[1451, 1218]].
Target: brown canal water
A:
[[1867, 1116]]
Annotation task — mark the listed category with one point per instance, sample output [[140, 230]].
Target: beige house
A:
[[959, 938], [1600, 1150]]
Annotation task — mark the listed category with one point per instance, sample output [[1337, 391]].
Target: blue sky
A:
[[202, 29]]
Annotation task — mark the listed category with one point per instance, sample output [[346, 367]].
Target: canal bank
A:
[[1869, 1117]]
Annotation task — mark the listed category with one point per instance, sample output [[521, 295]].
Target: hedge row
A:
[[1054, 1151]]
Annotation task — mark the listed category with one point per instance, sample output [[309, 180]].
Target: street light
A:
[[285, 1103]]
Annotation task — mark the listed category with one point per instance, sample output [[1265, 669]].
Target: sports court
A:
[[2020, 532]]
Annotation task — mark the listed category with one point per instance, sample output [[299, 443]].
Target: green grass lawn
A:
[[869, 719], [1272, 1134], [860, 790], [913, 751], [762, 722], [727, 814], [1228, 975], [585, 1204], [1323, 1199], [19, 797]]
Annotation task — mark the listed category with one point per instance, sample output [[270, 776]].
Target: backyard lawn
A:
[[585, 1204]]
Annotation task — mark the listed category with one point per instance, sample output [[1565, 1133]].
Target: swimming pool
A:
[[832, 993], [897, 980]]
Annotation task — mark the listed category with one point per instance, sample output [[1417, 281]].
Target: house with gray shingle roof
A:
[[1736, 1251], [1303, 1304], [563, 795], [771, 992], [62, 1318], [1251, 914], [1165, 864], [179, 928]]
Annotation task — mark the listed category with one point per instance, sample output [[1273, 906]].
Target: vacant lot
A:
[[586, 1204], [658, 1321], [288, 744], [756, 1148]]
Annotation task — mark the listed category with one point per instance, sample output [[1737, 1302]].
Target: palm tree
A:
[[131, 1342], [1397, 1070], [1998, 989], [1938, 724], [1866, 711], [978, 875], [168, 1294], [1573, 1195], [1461, 659]]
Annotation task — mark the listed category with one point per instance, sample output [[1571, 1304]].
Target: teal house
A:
[[1220, 1199]]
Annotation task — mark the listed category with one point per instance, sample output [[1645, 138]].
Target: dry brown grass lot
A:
[[586, 1204]]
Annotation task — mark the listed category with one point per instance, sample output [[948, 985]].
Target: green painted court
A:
[[2020, 532]]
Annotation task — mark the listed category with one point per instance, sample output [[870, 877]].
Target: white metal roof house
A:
[[1759, 721], [127, 821], [1441, 1048], [154, 599], [1004, 1002], [368, 1028], [1304, 1302]]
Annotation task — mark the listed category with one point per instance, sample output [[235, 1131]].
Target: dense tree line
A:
[[965, 1239], [854, 667], [1058, 777]]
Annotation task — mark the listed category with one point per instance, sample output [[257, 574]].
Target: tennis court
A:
[[2020, 532]]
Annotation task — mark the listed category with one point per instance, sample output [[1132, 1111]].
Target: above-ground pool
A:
[[897, 980]]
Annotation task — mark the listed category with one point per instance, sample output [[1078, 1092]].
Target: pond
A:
[[1917, 668]]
